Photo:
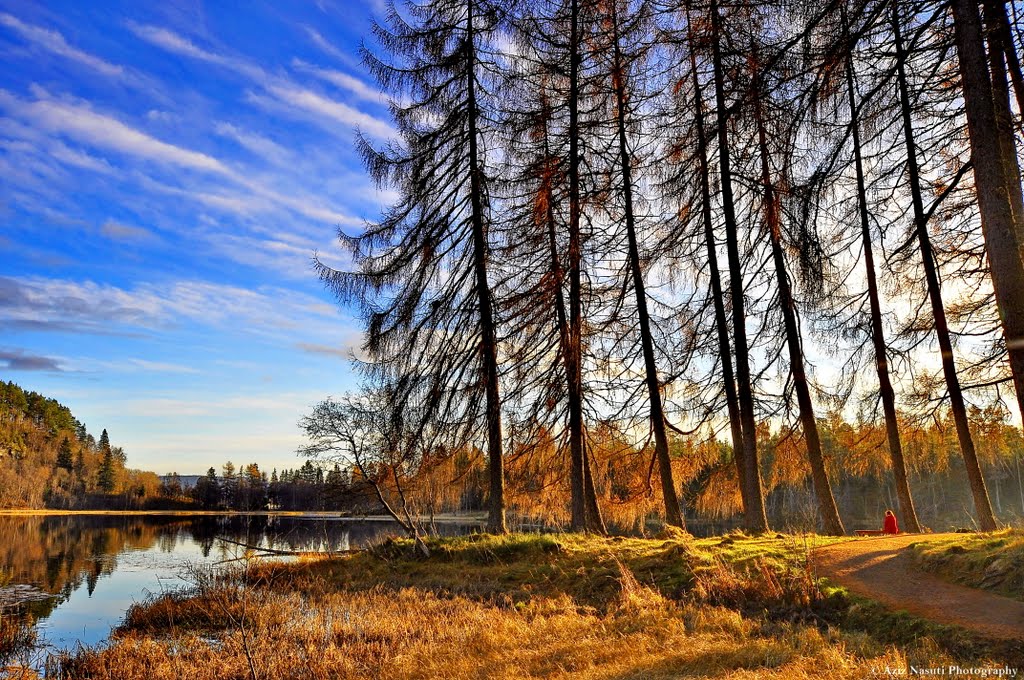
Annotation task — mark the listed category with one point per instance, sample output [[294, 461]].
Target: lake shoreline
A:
[[71, 576], [448, 518]]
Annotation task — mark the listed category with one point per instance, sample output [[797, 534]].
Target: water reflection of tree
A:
[[57, 554], [61, 553], [52, 551]]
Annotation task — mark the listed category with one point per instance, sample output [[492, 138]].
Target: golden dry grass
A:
[[505, 607], [414, 633]]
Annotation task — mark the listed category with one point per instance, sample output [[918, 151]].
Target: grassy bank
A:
[[525, 606], [990, 561]]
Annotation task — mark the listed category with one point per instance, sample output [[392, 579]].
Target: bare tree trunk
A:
[[595, 520], [754, 515], [982, 505], [717, 294], [405, 520], [1003, 230], [488, 338], [833, 525], [1013, 63], [673, 511], [581, 519], [995, 19], [908, 515], [592, 508]]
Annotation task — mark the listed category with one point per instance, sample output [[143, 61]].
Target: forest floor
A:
[[537, 606], [884, 569]]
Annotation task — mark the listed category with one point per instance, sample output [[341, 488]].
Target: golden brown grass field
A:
[[527, 606]]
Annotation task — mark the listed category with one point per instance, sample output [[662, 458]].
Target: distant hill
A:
[[49, 460], [186, 481]]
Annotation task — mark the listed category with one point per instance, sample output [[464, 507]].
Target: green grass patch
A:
[[992, 561], [519, 567]]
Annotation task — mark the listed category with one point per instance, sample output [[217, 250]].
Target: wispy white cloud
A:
[[317, 39], [172, 42], [37, 303], [81, 123], [350, 346], [159, 116], [84, 124], [281, 89], [257, 144], [129, 365], [328, 110], [328, 350], [289, 259], [261, 200], [21, 139], [343, 80], [296, 199], [168, 406], [54, 42], [161, 366], [80, 159], [118, 231], [221, 199]]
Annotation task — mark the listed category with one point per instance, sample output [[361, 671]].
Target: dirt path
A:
[[882, 569]]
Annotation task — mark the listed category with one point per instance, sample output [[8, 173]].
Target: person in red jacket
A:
[[890, 526]]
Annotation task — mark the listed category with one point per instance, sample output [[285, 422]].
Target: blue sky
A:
[[167, 171]]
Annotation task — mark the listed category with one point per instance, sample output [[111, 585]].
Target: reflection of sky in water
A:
[[147, 555], [89, 617]]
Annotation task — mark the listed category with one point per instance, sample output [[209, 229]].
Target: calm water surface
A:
[[77, 575]]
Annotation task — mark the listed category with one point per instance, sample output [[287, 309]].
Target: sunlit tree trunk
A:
[[995, 20], [488, 339], [908, 515], [717, 294], [998, 192], [592, 508], [581, 518], [819, 476], [673, 511], [754, 514], [1012, 59], [982, 505]]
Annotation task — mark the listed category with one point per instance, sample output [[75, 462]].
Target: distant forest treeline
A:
[[48, 459], [457, 481], [246, 489]]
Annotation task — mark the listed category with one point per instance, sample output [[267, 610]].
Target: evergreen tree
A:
[[228, 485], [107, 480], [64, 456], [982, 504], [754, 511], [206, 492]]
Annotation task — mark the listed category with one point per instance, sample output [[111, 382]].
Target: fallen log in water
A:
[[274, 552]]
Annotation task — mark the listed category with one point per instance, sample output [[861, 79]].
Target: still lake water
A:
[[77, 575]]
